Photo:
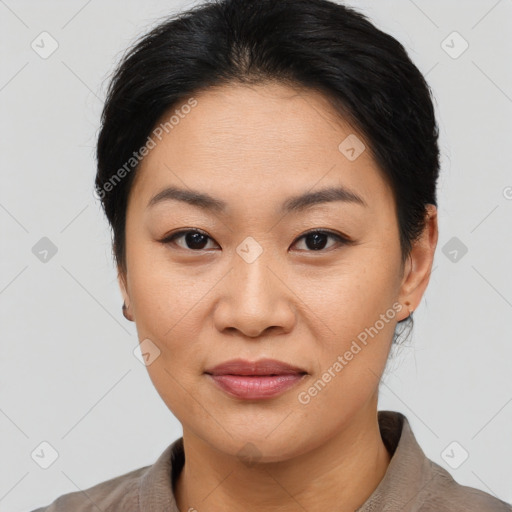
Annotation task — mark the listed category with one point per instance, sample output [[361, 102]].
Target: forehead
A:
[[259, 141]]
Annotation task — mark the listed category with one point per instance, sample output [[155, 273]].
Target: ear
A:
[[122, 280], [418, 265]]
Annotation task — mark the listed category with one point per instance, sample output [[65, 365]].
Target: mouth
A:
[[260, 368], [255, 380]]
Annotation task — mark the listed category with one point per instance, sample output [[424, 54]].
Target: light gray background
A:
[[68, 374]]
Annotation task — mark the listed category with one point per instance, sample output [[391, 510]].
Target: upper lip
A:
[[260, 367]]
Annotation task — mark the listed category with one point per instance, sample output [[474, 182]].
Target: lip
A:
[[261, 367], [255, 380]]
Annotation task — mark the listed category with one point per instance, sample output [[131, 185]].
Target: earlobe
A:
[[419, 263], [126, 313], [121, 278]]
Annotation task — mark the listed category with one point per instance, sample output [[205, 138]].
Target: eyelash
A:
[[343, 240]]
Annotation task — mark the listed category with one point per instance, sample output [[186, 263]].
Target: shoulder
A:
[[119, 493], [141, 489], [415, 483], [444, 494]]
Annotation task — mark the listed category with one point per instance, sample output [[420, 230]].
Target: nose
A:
[[254, 299]]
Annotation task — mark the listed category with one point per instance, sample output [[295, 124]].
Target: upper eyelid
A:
[[340, 236]]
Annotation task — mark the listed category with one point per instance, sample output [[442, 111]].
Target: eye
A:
[[194, 239], [316, 240]]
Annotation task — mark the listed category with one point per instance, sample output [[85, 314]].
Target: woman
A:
[[269, 170]]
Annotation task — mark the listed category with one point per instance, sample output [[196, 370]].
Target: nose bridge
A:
[[256, 283], [256, 299]]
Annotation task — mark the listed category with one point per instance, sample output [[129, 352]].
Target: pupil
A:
[[194, 240], [317, 240]]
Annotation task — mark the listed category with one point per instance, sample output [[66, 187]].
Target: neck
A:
[[339, 474]]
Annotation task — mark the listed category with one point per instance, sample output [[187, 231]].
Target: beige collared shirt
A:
[[412, 483]]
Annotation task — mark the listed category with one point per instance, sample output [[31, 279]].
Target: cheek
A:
[[351, 357], [357, 312], [353, 296], [164, 296]]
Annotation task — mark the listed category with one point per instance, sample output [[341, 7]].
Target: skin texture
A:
[[254, 147]]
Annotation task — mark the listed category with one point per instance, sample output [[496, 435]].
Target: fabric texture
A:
[[412, 483]]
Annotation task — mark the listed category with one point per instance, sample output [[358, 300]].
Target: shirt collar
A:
[[408, 474]]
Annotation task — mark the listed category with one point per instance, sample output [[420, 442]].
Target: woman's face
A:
[[254, 286]]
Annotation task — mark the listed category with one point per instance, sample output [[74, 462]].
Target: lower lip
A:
[[256, 387]]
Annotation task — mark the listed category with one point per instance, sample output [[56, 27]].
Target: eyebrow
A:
[[293, 204]]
